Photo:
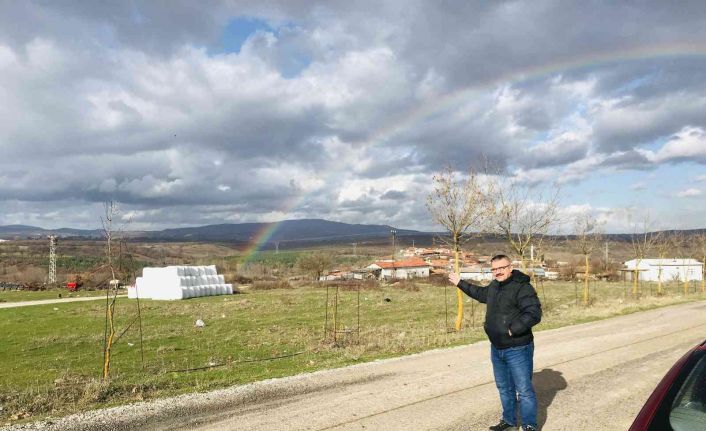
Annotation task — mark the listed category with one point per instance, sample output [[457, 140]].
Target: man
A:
[[513, 308]]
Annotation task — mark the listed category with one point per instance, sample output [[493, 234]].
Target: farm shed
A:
[[680, 269], [179, 282]]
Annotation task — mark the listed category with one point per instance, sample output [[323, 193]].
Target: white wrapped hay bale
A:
[[179, 282]]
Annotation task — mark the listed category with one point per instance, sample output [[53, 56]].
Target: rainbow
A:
[[259, 240], [444, 102]]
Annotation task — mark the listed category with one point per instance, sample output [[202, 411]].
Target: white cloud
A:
[[688, 144], [159, 117], [689, 193]]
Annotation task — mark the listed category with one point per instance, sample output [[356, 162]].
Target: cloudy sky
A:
[[201, 112]]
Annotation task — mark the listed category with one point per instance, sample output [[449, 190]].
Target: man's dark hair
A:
[[500, 257]]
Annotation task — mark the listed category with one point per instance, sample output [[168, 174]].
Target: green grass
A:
[[52, 354]]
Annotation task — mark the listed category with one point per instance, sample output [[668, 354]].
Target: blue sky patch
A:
[[237, 31]]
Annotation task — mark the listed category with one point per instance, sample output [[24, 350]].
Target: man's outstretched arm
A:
[[478, 293]]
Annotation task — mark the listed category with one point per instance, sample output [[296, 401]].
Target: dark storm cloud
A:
[[628, 160], [394, 195], [150, 26], [632, 123], [563, 151]]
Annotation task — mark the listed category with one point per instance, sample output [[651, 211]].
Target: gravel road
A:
[[52, 301], [593, 376]]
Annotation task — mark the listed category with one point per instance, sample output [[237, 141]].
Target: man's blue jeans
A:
[[513, 377]]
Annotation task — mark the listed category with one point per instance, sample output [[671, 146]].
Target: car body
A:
[[678, 403]]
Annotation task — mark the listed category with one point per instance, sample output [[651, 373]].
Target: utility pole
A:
[[393, 232], [52, 259], [354, 249], [605, 259], [276, 247]]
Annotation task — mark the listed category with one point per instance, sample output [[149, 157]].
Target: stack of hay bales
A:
[[179, 282]]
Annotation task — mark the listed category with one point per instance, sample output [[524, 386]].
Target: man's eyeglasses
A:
[[500, 268]]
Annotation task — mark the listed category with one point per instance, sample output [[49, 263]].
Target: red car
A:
[[679, 401]]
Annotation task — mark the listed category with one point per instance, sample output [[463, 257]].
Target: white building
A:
[[408, 268], [678, 269], [476, 273]]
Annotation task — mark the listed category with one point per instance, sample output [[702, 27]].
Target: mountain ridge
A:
[[283, 231]]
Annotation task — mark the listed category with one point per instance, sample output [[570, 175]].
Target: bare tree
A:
[[682, 247], [643, 241], [461, 207], [314, 263], [666, 245], [701, 250], [110, 233], [587, 238], [663, 245], [522, 214], [543, 244]]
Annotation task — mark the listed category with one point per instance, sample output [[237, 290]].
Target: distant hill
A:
[[305, 230], [318, 230], [294, 233], [16, 231]]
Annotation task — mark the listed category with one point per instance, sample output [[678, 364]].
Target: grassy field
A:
[[51, 355]]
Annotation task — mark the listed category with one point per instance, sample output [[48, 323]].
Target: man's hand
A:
[[454, 278], [509, 332]]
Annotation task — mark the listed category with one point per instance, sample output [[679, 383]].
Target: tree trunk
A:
[[459, 294], [634, 281], [585, 283]]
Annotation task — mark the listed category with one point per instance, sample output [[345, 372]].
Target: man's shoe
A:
[[529, 428], [502, 426]]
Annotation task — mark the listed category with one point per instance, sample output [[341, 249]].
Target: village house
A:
[[439, 266], [406, 268]]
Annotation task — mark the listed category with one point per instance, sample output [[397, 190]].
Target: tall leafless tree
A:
[[663, 247], [701, 252], [522, 214], [684, 250], [586, 239], [110, 234], [461, 207], [643, 240]]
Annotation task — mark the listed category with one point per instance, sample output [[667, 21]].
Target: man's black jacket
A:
[[513, 306]]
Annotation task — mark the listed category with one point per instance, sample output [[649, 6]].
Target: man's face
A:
[[502, 269]]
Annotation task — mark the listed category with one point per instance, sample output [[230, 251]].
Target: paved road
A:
[[51, 301], [593, 376]]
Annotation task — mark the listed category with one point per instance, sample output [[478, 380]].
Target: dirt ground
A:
[[593, 376]]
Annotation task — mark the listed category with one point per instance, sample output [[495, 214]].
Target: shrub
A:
[[439, 280], [407, 284], [369, 284], [236, 278]]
